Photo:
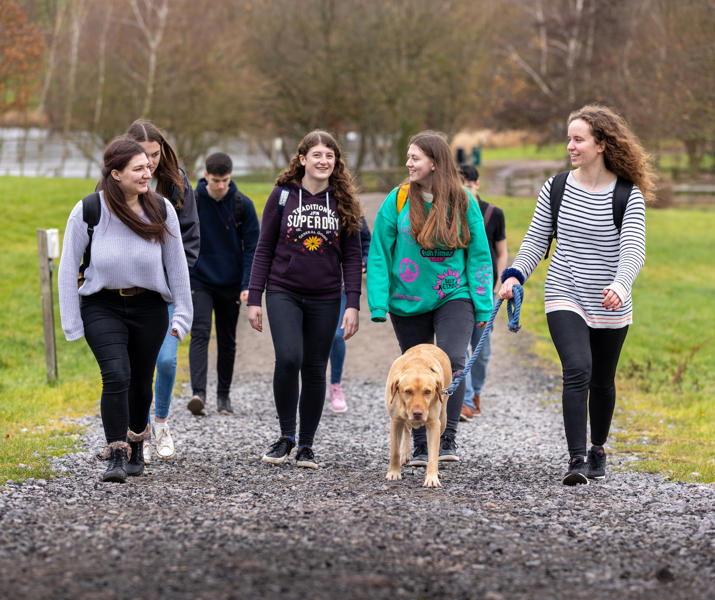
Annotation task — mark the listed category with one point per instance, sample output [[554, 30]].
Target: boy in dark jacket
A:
[[219, 279]]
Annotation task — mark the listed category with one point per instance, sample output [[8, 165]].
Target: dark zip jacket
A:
[[226, 252]]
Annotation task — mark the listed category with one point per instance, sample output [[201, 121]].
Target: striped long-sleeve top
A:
[[590, 253]]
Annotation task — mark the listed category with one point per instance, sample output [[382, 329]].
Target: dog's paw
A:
[[394, 475], [404, 459], [432, 481]]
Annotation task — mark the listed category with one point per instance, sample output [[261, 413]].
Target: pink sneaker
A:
[[337, 399]]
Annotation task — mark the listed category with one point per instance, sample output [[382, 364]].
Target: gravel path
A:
[[216, 522]]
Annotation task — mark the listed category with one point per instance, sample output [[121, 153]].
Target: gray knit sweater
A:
[[122, 259]]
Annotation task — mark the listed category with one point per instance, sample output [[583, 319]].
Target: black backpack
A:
[[91, 211], [621, 193]]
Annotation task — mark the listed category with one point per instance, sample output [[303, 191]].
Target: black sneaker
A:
[[223, 405], [305, 458], [419, 456], [448, 449], [197, 404], [279, 451], [596, 463], [576, 473]]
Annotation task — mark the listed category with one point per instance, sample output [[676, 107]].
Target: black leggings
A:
[[451, 324], [302, 330], [588, 360], [125, 334]]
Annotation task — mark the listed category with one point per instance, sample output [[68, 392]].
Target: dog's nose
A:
[[417, 413]]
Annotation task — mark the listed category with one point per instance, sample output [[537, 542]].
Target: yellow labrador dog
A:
[[413, 397]]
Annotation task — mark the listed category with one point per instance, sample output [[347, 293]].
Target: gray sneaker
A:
[[223, 405], [419, 456], [576, 473], [448, 449]]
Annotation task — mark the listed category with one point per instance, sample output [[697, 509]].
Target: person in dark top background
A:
[[219, 279], [309, 245], [495, 228]]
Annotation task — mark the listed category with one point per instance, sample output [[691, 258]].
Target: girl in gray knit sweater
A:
[[137, 266]]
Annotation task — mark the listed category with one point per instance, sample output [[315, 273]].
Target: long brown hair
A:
[[117, 155], [341, 180], [623, 155], [446, 224], [167, 172]]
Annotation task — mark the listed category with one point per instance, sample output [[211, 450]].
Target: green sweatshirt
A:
[[405, 279]]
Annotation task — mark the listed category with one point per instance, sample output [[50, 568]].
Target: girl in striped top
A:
[[588, 284]]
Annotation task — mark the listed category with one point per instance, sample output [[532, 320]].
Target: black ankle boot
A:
[[117, 459], [135, 466]]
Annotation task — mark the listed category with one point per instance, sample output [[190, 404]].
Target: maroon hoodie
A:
[[304, 249]]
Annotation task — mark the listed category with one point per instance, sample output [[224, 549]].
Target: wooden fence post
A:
[[48, 315]]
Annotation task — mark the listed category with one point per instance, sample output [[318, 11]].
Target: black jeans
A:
[[589, 358], [125, 334], [451, 324], [302, 330], [225, 305]]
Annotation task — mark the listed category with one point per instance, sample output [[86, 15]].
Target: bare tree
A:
[[153, 35], [78, 12]]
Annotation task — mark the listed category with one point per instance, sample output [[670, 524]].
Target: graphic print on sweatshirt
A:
[[482, 277], [447, 282], [313, 227]]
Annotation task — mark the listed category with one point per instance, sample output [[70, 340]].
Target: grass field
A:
[[667, 384], [35, 417]]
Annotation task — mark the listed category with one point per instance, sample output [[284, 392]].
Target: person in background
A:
[[494, 226], [337, 352], [308, 250], [588, 285], [219, 279], [169, 181], [429, 267], [136, 268]]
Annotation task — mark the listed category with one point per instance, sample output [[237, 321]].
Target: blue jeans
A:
[[474, 382], [337, 352], [165, 372]]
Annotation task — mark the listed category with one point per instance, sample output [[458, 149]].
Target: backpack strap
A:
[[282, 199], [556, 193], [402, 197], [91, 212], [488, 214], [621, 194], [239, 200]]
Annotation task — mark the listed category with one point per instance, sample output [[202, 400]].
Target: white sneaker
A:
[[148, 449], [163, 441]]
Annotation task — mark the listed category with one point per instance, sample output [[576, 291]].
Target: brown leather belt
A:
[[132, 291]]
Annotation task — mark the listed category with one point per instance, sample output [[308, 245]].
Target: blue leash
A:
[[513, 310]]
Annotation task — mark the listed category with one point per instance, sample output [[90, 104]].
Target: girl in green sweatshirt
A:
[[430, 268]]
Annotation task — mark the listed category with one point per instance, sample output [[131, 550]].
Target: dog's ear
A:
[[439, 386], [394, 386]]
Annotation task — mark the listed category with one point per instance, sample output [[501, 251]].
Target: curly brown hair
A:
[[623, 155], [167, 171], [444, 225], [117, 155], [342, 181]]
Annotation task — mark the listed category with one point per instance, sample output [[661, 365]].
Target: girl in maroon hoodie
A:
[[309, 245]]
